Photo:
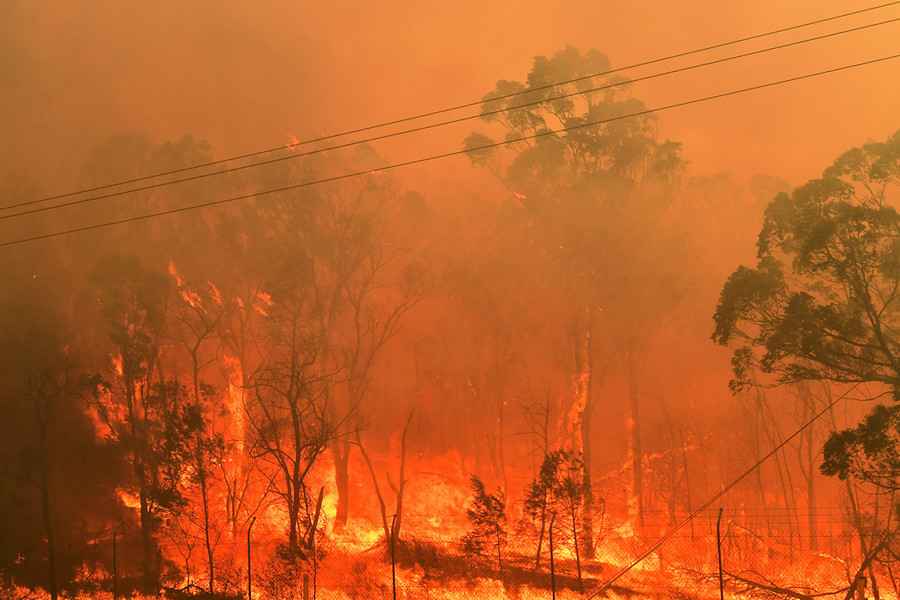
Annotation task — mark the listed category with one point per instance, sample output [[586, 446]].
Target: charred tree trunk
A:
[[340, 450], [401, 486], [381, 505], [149, 551], [200, 458], [537, 557], [575, 544], [391, 528], [204, 498]]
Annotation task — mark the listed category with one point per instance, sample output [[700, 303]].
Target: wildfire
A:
[[189, 296]]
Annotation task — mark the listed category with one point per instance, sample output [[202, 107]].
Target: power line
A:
[[655, 546], [439, 123], [435, 157], [454, 108]]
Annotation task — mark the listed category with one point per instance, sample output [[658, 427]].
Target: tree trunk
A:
[[381, 505], [809, 471], [42, 413], [537, 556], [575, 545], [636, 449], [580, 420], [811, 494], [204, 497], [47, 516], [340, 450], [148, 541], [399, 489]]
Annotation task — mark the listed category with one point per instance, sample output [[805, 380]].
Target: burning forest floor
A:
[[429, 568]]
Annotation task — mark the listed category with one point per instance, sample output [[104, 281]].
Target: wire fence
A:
[[766, 553]]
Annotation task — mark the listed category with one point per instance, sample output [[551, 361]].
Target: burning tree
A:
[[197, 318], [586, 196], [288, 414], [488, 517], [142, 408]]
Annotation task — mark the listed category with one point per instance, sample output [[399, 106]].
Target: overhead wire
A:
[[448, 109], [435, 157], [439, 124]]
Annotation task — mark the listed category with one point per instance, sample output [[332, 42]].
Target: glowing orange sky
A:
[[247, 75]]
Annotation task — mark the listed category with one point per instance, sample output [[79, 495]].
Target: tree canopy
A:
[[822, 302]]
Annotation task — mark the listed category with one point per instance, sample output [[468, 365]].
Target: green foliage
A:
[[558, 487], [172, 438], [869, 452], [488, 518], [822, 302], [623, 149], [586, 198]]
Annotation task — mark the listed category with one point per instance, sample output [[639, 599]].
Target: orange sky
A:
[[247, 75]]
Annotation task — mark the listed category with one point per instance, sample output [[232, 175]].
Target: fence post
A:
[[393, 558], [719, 552], [552, 564], [249, 573]]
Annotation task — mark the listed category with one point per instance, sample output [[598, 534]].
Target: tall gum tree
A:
[[132, 301], [574, 186], [822, 302]]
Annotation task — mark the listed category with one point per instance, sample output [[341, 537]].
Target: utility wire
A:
[[671, 534], [434, 157], [448, 109], [430, 126]]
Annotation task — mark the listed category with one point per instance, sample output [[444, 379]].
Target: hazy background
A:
[[245, 75]]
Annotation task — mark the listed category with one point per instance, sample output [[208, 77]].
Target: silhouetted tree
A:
[[288, 412], [558, 490], [487, 514], [822, 302], [146, 413]]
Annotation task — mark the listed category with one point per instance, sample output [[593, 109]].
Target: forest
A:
[[576, 368]]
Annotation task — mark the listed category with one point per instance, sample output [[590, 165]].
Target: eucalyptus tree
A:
[[145, 412], [590, 181], [822, 302]]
